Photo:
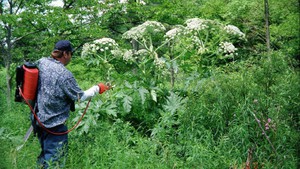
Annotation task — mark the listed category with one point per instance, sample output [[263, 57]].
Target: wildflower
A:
[[227, 47], [202, 50], [85, 49], [134, 33], [142, 52], [199, 44], [234, 30], [116, 52], [138, 1], [267, 125], [171, 34], [160, 62], [149, 27], [99, 45], [123, 1], [196, 24], [104, 41], [142, 2], [128, 55]]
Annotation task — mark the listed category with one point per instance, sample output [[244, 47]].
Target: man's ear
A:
[[65, 54]]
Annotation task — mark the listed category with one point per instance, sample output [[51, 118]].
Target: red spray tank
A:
[[30, 82]]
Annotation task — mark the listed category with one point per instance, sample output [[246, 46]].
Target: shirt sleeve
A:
[[91, 92], [71, 89]]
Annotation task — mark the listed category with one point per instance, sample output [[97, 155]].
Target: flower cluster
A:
[[234, 30], [268, 124], [117, 52], [149, 27], [227, 47], [160, 62], [138, 1], [202, 50], [196, 24], [171, 34], [105, 41], [142, 52], [128, 55], [98, 46], [199, 44]]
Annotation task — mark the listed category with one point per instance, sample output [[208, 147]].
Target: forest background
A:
[[198, 83]]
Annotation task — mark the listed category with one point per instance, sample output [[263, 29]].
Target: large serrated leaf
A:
[[142, 92], [111, 110], [127, 103], [154, 95], [128, 85], [174, 102]]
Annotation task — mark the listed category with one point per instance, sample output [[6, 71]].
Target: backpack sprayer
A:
[[26, 91], [27, 80]]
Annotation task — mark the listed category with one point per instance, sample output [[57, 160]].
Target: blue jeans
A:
[[54, 147]]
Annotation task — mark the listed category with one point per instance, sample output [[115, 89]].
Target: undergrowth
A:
[[242, 111]]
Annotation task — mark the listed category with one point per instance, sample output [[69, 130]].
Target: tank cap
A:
[[30, 65]]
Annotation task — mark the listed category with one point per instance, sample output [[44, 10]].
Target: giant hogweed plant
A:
[[155, 57], [157, 53]]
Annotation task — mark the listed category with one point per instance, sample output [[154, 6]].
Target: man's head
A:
[[63, 51]]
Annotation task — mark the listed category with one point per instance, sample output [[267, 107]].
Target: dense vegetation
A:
[[196, 85]]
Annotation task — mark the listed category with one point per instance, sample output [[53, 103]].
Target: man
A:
[[57, 90]]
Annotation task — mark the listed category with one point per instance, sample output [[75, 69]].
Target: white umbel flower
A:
[[196, 24], [231, 29], [227, 47], [171, 34], [98, 46], [149, 27], [142, 52], [128, 55], [106, 41], [160, 62]]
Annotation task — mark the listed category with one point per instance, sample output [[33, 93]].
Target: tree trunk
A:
[[7, 61], [8, 57], [8, 86], [267, 24]]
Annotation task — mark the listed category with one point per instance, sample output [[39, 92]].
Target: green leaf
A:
[[154, 95], [142, 92], [174, 103], [127, 103], [128, 85], [111, 109]]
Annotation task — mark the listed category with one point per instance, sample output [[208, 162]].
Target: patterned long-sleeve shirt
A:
[[57, 88]]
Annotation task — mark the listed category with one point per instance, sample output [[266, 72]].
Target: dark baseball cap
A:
[[64, 45]]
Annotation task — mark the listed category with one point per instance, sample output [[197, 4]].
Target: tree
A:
[[9, 9], [29, 29]]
